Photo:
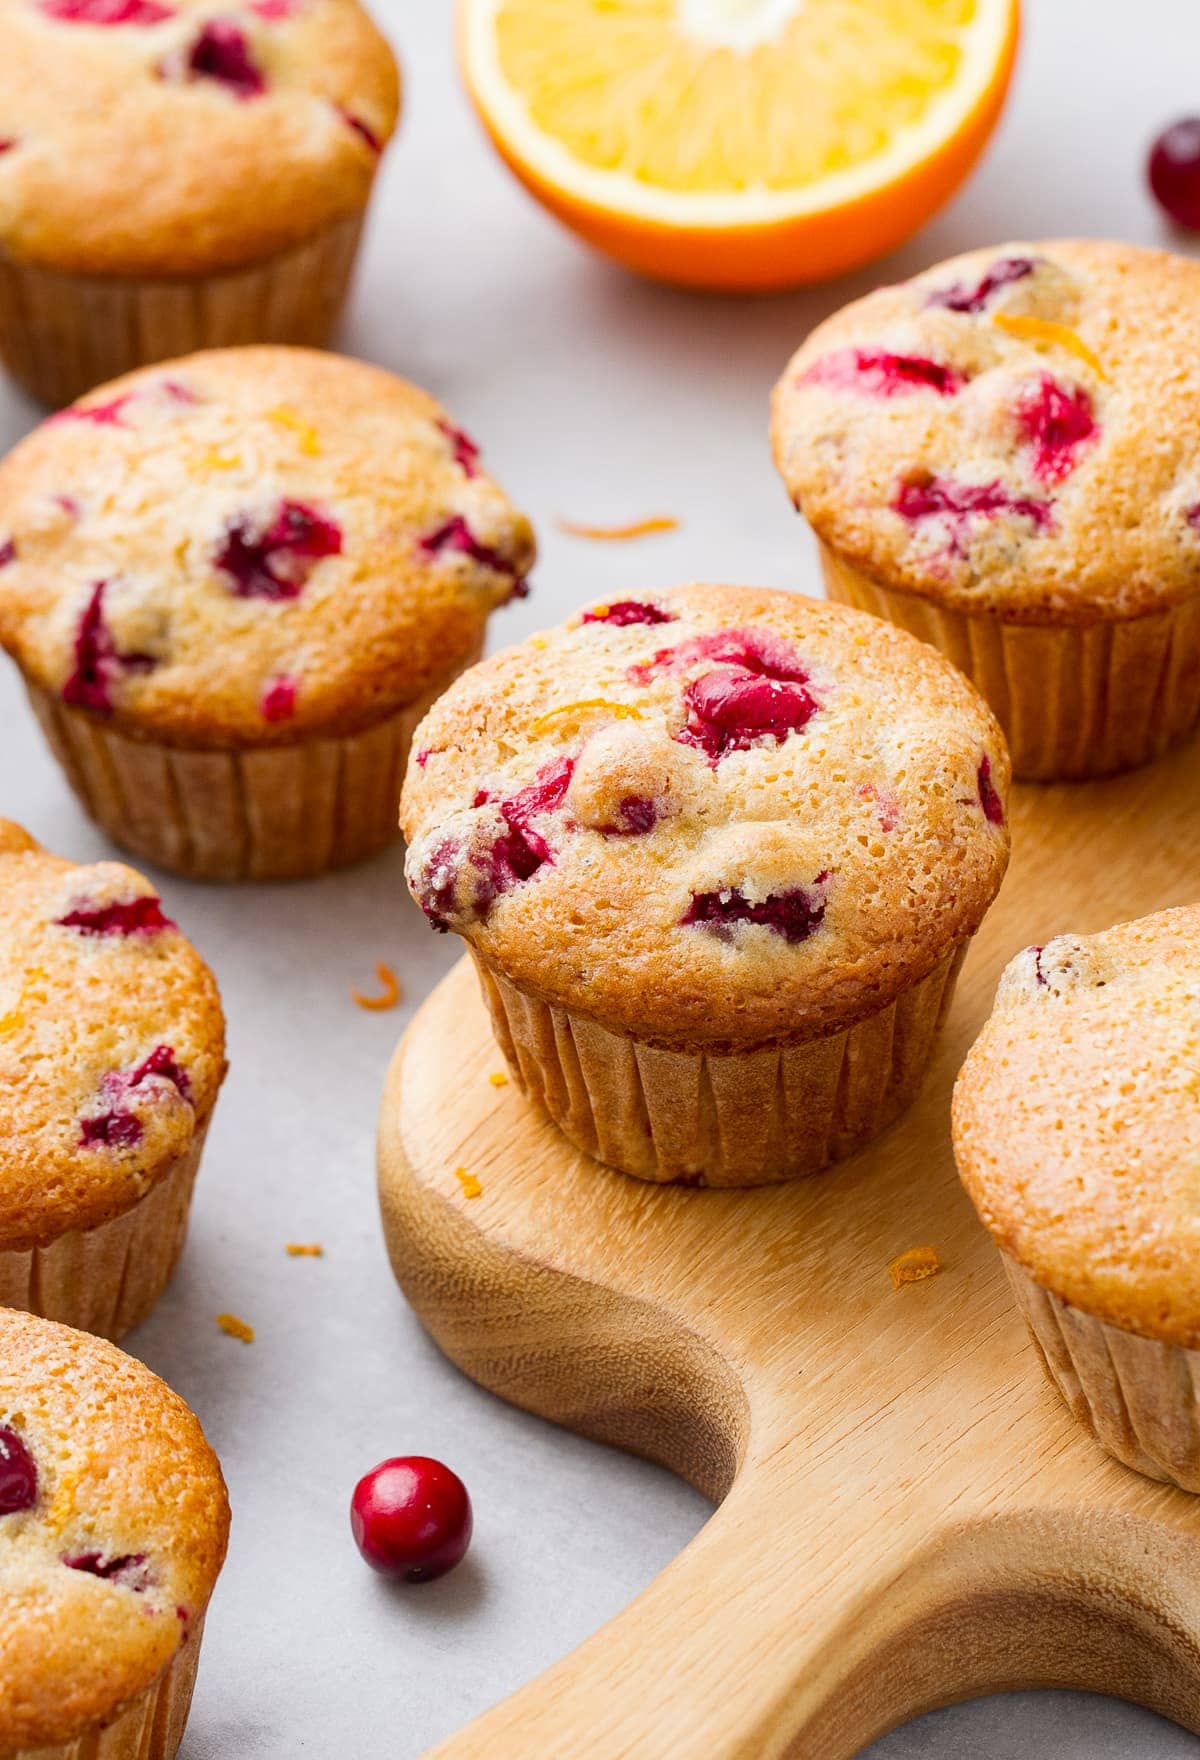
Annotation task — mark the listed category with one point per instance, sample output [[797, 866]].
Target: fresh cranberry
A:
[[129, 1570], [279, 700], [1175, 172], [989, 799], [423, 756], [623, 612], [637, 814], [134, 916], [275, 562], [456, 535], [221, 52], [758, 650], [731, 708], [960, 297], [18, 1475], [873, 372], [98, 660], [411, 1518], [8, 552], [118, 1128], [498, 860], [8, 143], [1056, 422], [143, 12], [466, 452], [795, 914], [959, 503]]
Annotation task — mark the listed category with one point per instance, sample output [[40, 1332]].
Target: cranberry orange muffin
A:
[[113, 1527], [234, 585], [112, 1049], [1003, 456], [1075, 1122], [180, 174], [718, 854]]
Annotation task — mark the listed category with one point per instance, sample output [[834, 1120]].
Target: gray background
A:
[[597, 397]]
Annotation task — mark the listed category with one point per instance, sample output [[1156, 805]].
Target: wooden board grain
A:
[[907, 1515]]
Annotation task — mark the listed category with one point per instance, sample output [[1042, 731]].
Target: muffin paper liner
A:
[[1138, 1397], [150, 1727], [1075, 700], [274, 813], [106, 1280], [60, 335], [756, 1117]]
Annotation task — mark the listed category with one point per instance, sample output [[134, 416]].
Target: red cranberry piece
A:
[[129, 1570], [731, 708], [795, 914], [142, 12], [959, 503], [221, 52], [411, 1518], [279, 700], [466, 452], [498, 860], [758, 650], [873, 372], [1193, 517], [637, 815], [275, 563], [98, 661], [7, 144], [134, 916], [8, 552], [275, 10], [1056, 422], [456, 535], [104, 415], [366, 134], [1174, 172], [624, 612], [989, 799], [18, 1475], [960, 297], [118, 1128]]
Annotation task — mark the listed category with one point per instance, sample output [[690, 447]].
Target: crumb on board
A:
[[498, 1079], [235, 1328], [471, 1187], [618, 534], [300, 1250], [914, 1266], [390, 993]]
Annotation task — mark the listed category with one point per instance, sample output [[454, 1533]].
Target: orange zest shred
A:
[[471, 1187], [235, 1328], [306, 434], [1042, 330], [213, 460], [638, 528], [622, 711], [390, 996], [298, 1250], [498, 1079], [914, 1266]]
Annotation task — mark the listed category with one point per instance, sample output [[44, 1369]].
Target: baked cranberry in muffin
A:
[[1000, 456], [712, 851], [113, 1527], [111, 1055], [243, 577]]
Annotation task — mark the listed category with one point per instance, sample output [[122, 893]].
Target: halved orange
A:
[[748, 144]]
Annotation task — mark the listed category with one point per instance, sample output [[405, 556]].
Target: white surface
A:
[[599, 398]]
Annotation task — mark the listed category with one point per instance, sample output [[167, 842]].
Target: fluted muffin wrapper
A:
[[106, 1280], [1074, 700], [150, 1727], [62, 334], [746, 1118], [1139, 1398], [270, 813]]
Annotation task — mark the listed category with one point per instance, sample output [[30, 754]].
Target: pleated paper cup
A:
[[1136, 1395], [1075, 700], [281, 812], [106, 1280], [742, 1118], [62, 334]]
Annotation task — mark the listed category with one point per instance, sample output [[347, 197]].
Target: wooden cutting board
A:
[[908, 1515]]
